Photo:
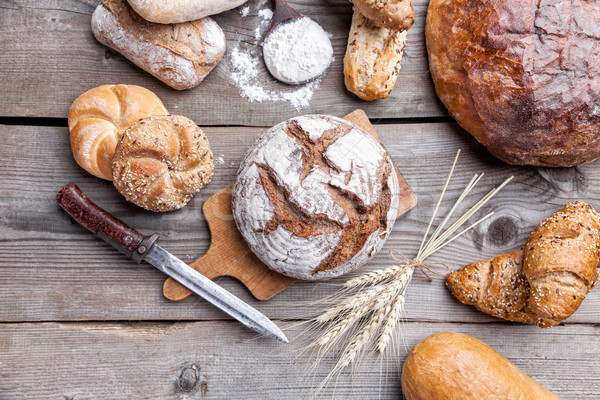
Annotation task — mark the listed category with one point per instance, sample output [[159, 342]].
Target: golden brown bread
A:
[[161, 162], [373, 58], [543, 282], [98, 118], [392, 14], [180, 55], [453, 366], [521, 76]]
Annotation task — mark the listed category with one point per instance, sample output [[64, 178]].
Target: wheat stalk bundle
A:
[[372, 304]]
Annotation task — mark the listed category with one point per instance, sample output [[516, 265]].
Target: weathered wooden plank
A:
[[221, 360], [54, 270], [49, 57]]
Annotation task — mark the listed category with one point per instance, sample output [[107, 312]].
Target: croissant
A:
[[98, 118], [543, 282]]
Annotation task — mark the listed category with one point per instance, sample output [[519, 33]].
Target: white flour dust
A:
[[246, 75], [297, 51], [247, 71], [265, 18]]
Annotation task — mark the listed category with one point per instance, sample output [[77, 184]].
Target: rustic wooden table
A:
[[78, 321]]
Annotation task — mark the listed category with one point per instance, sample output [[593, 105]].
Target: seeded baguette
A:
[[373, 58], [392, 14]]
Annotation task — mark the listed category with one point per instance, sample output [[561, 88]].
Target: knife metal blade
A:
[[139, 247], [213, 293]]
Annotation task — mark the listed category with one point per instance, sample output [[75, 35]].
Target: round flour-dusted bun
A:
[[98, 118], [315, 197], [522, 76], [161, 162]]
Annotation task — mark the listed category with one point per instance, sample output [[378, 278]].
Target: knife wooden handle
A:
[[99, 222]]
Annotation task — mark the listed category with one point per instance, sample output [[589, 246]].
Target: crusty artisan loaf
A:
[[161, 162], [392, 14], [543, 282], [174, 11], [453, 366], [98, 118], [373, 58], [180, 55], [315, 197], [521, 76]]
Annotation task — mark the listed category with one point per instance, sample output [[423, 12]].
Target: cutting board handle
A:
[[228, 254]]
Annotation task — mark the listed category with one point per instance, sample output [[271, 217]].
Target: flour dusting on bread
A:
[[330, 192]]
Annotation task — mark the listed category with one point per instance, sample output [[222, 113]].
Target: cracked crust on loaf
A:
[[315, 197]]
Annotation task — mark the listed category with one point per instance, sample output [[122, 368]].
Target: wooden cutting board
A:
[[228, 254]]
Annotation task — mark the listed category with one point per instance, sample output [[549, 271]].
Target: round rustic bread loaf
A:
[[522, 76], [315, 197], [98, 118], [161, 162]]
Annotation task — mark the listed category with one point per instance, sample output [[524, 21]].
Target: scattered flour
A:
[[244, 11], [265, 19], [248, 73], [246, 76], [265, 14]]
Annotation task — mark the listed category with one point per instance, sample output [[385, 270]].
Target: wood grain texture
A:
[[222, 360], [50, 45], [228, 254], [59, 272]]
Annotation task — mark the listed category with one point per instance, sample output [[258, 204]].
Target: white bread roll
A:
[[175, 11]]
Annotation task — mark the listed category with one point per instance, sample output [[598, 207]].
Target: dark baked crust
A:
[[522, 76]]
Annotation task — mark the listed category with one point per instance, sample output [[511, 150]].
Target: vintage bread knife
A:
[[139, 247]]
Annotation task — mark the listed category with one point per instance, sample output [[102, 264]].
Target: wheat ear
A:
[[375, 308]]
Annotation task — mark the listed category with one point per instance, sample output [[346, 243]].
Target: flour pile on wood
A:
[[297, 51], [249, 74]]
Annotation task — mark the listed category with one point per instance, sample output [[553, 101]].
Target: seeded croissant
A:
[[543, 282]]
